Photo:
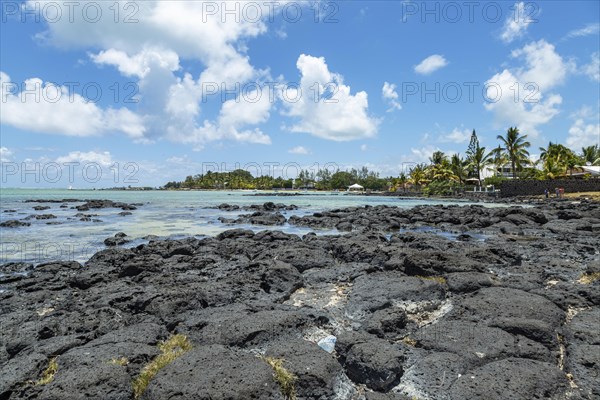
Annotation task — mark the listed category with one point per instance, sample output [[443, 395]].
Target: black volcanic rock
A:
[[13, 223], [415, 310]]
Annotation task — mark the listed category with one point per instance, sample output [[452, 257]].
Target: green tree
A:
[[551, 169], [401, 181], [418, 175], [342, 179], [515, 147], [557, 157], [459, 167], [478, 160], [499, 158], [591, 154], [473, 143], [438, 157]]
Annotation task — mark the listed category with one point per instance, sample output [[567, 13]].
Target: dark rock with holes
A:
[[435, 373], [387, 323], [440, 302], [318, 372], [214, 372], [514, 311], [464, 282], [377, 291], [511, 378], [478, 343], [374, 363]]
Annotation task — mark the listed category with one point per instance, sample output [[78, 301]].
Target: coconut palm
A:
[[559, 157], [515, 147], [591, 154], [552, 169], [438, 157], [443, 172], [418, 175], [459, 167], [498, 158], [478, 160], [401, 182]]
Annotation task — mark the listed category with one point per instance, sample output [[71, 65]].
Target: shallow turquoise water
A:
[[164, 213]]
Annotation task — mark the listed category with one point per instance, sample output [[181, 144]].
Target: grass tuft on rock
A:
[[589, 278], [439, 279], [48, 374], [123, 361], [409, 341], [285, 379], [171, 349]]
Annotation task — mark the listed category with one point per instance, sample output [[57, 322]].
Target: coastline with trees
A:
[[443, 175]]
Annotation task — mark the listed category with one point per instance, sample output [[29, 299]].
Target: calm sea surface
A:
[[167, 214]]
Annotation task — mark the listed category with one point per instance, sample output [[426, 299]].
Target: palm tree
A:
[[552, 169], [401, 181], [443, 172], [438, 157], [591, 154], [559, 157], [499, 159], [478, 160], [418, 175], [515, 147], [458, 166]]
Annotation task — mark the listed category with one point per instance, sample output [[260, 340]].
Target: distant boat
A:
[[70, 188]]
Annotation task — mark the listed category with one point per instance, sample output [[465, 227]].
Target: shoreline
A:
[[514, 309]]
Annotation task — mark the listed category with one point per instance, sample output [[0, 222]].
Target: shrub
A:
[[494, 180], [441, 188]]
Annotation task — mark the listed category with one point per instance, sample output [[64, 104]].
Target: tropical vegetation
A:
[[443, 175], [321, 179]]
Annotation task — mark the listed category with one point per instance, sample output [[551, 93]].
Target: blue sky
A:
[[381, 84]]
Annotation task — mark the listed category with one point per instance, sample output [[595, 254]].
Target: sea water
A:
[[166, 214]]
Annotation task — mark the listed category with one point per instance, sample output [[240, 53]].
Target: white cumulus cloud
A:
[[390, 94], [517, 23], [585, 130], [139, 64], [233, 121], [299, 150], [457, 136], [520, 96], [324, 105], [431, 64], [43, 107], [420, 155], [5, 154], [150, 50], [103, 159], [592, 70]]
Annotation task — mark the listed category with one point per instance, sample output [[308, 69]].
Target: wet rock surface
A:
[[51, 219], [13, 223], [96, 204], [511, 313], [268, 214], [268, 206], [118, 239], [256, 218]]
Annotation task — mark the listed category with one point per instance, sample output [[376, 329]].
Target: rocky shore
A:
[[432, 302], [86, 205]]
